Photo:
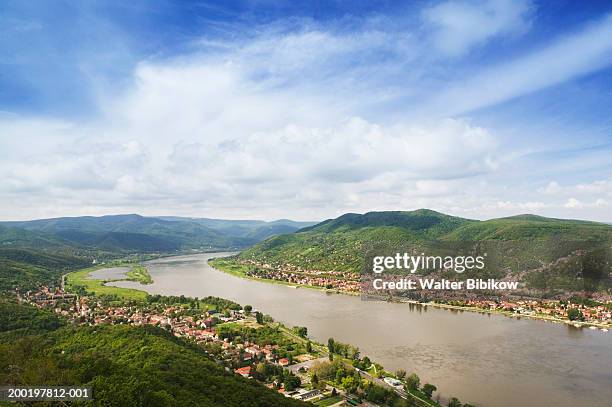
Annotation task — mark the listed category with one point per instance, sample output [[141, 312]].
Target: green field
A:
[[329, 401]]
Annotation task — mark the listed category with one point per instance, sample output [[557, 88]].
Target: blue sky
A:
[[264, 109]]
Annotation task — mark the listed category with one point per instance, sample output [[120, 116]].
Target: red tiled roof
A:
[[245, 371]]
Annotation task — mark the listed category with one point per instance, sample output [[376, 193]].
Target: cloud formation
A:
[[458, 26], [311, 120]]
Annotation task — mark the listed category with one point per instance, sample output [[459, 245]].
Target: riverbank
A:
[[509, 314], [82, 281], [239, 270]]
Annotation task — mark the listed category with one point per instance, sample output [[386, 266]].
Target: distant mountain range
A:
[[37, 251], [135, 233]]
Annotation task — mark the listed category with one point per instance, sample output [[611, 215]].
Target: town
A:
[[250, 344], [343, 281], [576, 310]]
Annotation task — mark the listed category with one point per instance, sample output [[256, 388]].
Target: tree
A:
[[334, 392], [331, 357], [401, 374], [428, 389], [308, 347], [302, 331], [315, 379], [366, 363], [259, 318], [574, 314], [349, 384], [454, 402], [291, 382], [413, 381], [331, 345], [248, 309]]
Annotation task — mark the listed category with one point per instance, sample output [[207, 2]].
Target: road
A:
[[383, 383], [306, 365]]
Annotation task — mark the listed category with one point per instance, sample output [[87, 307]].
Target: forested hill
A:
[[131, 233], [39, 251], [135, 233], [125, 365], [337, 244]]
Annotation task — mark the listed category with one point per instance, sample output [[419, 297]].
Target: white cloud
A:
[[552, 188], [289, 124], [460, 25], [574, 204], [572, 56], [530, 206]]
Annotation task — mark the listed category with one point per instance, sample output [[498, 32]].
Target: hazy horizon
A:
[[272, 219]]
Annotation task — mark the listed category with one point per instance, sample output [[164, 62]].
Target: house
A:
[[304, 394], [244, 371], [283, 362], [253, 350]]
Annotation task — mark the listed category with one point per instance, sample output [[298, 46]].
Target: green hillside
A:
[[132, 233], [524, 242], [135, 233], [125, 365], [29, 269], [254, 230], [530, 227], [338, 244]]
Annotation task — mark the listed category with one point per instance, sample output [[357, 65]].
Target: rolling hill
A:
[[135, 233], [524, 242], [256, 230], [337, 244]]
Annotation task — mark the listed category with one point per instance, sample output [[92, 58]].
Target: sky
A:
[[305, 109]]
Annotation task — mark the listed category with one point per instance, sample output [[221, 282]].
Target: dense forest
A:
[[124, 365]]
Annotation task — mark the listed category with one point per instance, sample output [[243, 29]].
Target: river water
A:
[[487, 360]]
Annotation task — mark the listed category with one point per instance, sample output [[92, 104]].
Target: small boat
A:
[[592, 327], [577, 325], [604, 329]]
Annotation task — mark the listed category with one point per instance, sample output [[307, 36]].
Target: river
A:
[[488, 360]]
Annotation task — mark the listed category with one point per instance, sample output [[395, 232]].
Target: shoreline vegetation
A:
[[82, 283], [240, 270], [139, 273]]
